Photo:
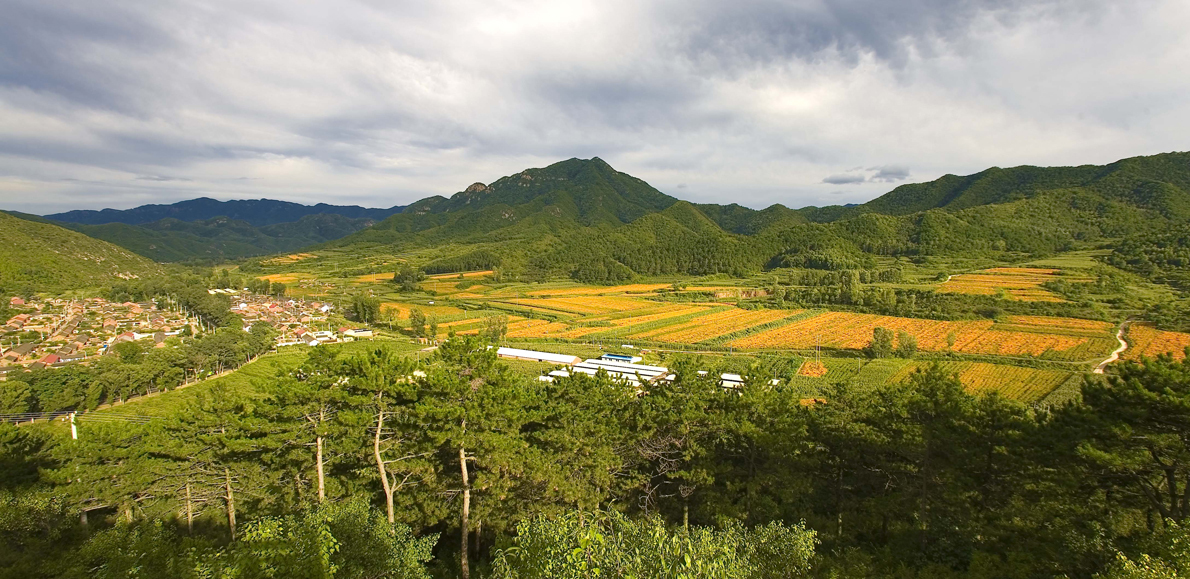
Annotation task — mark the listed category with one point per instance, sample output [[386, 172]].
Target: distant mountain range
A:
[[207, 229], [583, 219], [257, 212]]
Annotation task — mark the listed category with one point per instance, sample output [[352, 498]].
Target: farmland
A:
[[849, 331], [1018, 283], [739, 318], [1145, 341]]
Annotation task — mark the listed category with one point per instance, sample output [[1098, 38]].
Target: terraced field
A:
[[1026, 385], [714, 325], [1145, 341], [1020, 283], [1037, 337]]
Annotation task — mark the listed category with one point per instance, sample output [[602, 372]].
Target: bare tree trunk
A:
[[388, 488], [189, 511], [231, 503], [466, 514], [321, 476]]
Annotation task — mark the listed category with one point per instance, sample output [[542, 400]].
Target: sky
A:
[[380, 103]]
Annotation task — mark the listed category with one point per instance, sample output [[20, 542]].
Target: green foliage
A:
[[906, 345], [1168, 557], [881, 345], [479, 259], [608, 544], [408, 277], [347, 540], [365, 308]]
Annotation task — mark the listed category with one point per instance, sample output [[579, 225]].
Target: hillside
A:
[[256, 212], [40, 255], [584, 219], [171, 240]]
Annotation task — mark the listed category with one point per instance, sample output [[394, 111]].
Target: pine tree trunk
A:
[[388, 489], [321, 479], [231, 503], [466, 514], [189, 511]]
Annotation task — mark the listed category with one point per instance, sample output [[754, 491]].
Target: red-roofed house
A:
[[51, 359], [16, 302]]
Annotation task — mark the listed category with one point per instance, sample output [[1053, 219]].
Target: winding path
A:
[[1116, 354]]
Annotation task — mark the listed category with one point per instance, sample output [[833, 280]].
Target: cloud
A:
[[351, 101], [890, 174], [844, 179]]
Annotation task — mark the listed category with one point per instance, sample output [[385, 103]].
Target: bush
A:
[[581, 545]]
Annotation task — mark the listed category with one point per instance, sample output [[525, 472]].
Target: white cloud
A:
[[382, 104]]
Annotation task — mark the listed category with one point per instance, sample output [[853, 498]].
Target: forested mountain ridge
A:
[[1157, 182], [219, 238], [257, 212], [585, 219], [42, 256]]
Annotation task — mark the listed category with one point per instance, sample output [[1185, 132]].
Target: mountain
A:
[[219, 238], [40, 255], [257, 212], [585, 219], [1154, 182]]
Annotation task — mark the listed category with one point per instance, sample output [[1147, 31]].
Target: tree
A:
[[417, 323], [881, 345], [16, 397], [383, 382], [1135, 430], [473, 412], [365, 308], [906, 345], [494, 328], [408, 277], [307, 403]]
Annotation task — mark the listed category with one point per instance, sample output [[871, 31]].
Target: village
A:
[[58, 332]]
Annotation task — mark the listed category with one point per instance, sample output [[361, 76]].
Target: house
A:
[[621, 358], [16, 302], [357, 333], [634, 374], [534, 356], [51, 359], [15, 354]]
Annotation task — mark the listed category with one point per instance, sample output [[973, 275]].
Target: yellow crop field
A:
[[712, 326], [1146, 341], [1062, 323], [375, 277], [1024, 384], [536, 329], [591, 291], [288, 259], [854, 331], [403, 309], [1021, 283], [586, 305], [812, 369]]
